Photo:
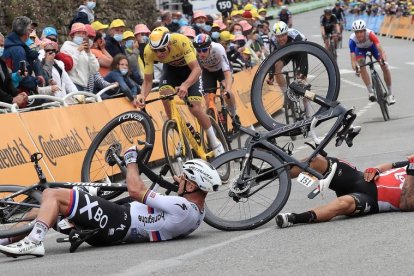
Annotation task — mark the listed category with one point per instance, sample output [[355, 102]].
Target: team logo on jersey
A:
[[182, 206], [151, 218]]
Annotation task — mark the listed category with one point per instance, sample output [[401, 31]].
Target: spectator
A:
[[132, 53], [141, 33], [101, 54], [50, 33], [236, 16], [1, 44], [84, 14], [113, 41], [225, 38], [189, 32], [85, 63], [187, 8], [8, 93], [56, 76], [199, 21], [167, 21], [119, 73], [236, 29], [16, 50], [100, 28]]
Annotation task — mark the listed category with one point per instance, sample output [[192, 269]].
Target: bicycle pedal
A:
[[352, 133]]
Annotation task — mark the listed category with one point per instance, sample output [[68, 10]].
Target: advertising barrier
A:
[[64, 134]]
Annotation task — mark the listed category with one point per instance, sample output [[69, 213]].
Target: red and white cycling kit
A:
[[369, 40], [389, 186], [161, 218]]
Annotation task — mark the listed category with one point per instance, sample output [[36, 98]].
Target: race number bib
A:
[[306, 179]]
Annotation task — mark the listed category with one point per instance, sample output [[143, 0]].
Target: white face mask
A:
[[78, 40], [124, 71], [1, 51], [91, 5]]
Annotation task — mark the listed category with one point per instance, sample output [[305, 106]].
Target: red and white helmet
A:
[[203, 174]]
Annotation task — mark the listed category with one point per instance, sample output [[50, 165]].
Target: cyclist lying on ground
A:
[[148, 216], [387, 187]]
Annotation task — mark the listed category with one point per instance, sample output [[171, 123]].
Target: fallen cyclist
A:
[[148, 216], [387, 187]]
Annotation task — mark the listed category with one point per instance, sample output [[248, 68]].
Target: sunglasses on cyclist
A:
[[203, 50], [162, 50]]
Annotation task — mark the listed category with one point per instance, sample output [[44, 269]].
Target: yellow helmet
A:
[[159, 38]]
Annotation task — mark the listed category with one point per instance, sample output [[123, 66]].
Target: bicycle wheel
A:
[[381, 95], [322, 75], [174, 150], [224, 175], [15, 220], [115, 137], [249, 203], [290, 115], [333, 49]]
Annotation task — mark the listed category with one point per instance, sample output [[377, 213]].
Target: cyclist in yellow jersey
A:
[[181, 73]]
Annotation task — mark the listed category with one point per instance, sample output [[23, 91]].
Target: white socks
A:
[[38, 232]]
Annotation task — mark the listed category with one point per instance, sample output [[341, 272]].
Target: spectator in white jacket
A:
[[84, 62], [60, 84]]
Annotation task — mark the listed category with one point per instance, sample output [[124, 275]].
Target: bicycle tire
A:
[[319, 56], [290, 114], [217, 201], [120, 132], [32, 196], [174, 144], [220, 136], [381, 96], [333, 49]]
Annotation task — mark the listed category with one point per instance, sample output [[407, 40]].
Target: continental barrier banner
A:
[[64, 134]]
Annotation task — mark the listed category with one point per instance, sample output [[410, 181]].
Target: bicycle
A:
[[332, 45], [322, 75], [221, 116], [259, 184], [178, 135], [378, 86]]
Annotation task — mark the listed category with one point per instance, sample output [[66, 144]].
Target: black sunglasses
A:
[[203, 50], [162, 50]]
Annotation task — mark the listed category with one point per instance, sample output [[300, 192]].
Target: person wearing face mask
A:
[[8, 93], [120, 73], [100, 28], [85, 63], [132, 53], [114, 39], [84, 14], [199, 21], [170, 23], [236, 29], [141, 33], [16, 50]]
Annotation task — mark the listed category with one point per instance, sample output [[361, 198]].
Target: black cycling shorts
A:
[[349, 181], [91, 212], [174, 76], [300, 61], [210, 80]]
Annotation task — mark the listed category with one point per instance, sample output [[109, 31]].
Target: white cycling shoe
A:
[[391, 99], [218, 150], [23, 248], [284, 220]]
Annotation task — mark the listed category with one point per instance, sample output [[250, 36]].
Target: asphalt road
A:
[[377, 245]]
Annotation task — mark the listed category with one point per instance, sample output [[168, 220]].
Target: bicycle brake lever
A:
[[352, 133]]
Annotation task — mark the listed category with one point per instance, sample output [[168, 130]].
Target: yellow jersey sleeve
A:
[[148, 60]]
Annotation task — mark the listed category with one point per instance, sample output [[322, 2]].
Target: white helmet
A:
[[203, 174], [359, 25], [280, 28]]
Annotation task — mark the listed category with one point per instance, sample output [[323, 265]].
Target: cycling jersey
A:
[[389, 186], [369, 40], [217, 60], [339, 13], [285, 16], [181, 53], [293, 35], [329, 24], [162, 218], [159, 218]]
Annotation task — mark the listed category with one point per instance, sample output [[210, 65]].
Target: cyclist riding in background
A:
[[285, 16], [360, 42], [284, 36], [181, 73], [329, 26], [216, 68], [387, 187], [145, 216], [340, 15]]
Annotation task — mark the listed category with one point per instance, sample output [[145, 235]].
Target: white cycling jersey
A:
[[217, 60], [369, 39], [162, 218]]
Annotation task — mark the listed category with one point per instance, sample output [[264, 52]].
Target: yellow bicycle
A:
[[182, 141]]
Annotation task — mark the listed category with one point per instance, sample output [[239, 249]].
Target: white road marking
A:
[[353, 83], [365, 109], [152, 266], [346, 71], [410, 63]]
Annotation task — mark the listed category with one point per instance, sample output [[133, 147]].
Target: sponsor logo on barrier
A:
[[12, 155], [57, 147], [132, 130], [108, 140]]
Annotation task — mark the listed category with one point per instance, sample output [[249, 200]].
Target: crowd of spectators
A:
[[379, 7], [96, 55]]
